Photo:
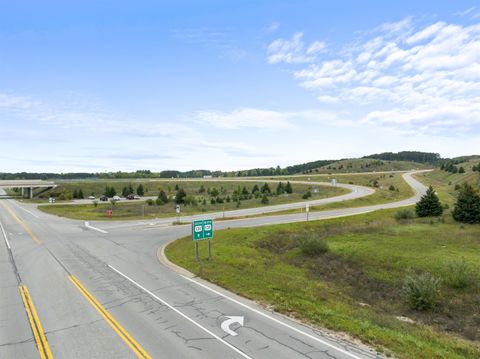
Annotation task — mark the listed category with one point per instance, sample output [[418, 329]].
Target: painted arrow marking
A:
[[231, 320]]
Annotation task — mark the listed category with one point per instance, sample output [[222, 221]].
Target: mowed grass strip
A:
[[138, 209], [356, 287]]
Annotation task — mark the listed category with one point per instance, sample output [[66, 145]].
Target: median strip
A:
[[137, 349], [36, 326]]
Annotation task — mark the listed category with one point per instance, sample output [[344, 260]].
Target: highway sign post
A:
[[202, 229], [307, 209]]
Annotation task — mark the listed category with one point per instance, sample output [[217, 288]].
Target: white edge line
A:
[[26, 210], [274, 319], [5, 236], [180, 313], [87, 224]]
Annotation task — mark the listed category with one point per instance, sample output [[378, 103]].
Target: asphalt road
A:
[[104, 294]]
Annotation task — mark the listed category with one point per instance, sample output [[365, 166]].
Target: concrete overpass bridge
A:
[[27, 186]]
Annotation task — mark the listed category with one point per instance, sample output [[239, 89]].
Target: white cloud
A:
[[260, 118], [294, 51], [244, 118], [274, 26], [397, 74]]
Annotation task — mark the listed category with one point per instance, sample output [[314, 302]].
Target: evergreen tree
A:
[[245, 191], [75, 194], [80, 194], [110, 191], [176, 187], [129, 189], [125, 191], [202, 189], [162, 196], [461, 170], [467, 207], [255, 189], [264, 199], [429, 204], [140, 190], [288, 188], [280, 188], [180, 196], [266, 188]]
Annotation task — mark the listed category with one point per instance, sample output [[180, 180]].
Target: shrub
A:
[[307, 194], [459, 274], [313, 246], [391, 187], [422, 291], [404, 214], [149, 202], [158, 202]]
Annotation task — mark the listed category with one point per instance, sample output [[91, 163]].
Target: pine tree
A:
[[461, 170], [467, 207], [264, 199], [266, 188], [280, 188], [80, 194], [180, 196], [255, 189], [125, 191], [162, 196], [288, 188], [429, 204], [75, 194], [140, 190]]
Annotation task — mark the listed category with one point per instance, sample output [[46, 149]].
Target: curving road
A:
[[100, 292]]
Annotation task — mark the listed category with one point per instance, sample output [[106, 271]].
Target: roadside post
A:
[[202, 229], [177, 210], [307, 209]]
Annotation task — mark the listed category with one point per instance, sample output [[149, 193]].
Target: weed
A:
[[422, 291], [459, 275]]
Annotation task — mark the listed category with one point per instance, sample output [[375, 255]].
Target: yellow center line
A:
[[137, 349], [39, 335], [22, 223]]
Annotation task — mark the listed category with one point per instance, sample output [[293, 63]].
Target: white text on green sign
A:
[[202, 229]]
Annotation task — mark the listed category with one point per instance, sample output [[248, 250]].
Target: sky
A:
[[93, 86]]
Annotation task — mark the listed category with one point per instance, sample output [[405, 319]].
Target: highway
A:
[[68, 291]]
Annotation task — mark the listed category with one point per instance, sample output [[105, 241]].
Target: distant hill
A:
[[369, 165], [413, 156], [386, 161]]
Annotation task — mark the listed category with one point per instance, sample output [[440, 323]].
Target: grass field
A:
[[383, 193], [126, 210], [445, 182], [368, 165], [356, 287]]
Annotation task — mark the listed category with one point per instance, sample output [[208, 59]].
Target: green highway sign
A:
[[202, 229]]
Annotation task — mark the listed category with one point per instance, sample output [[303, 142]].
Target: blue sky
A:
[[103, 85]]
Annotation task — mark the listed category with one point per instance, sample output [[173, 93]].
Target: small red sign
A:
[[109, 212]]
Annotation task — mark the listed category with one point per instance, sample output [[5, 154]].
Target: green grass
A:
[[369, 165], [382, 193], [129, 210], [444, 182], [356, 286]]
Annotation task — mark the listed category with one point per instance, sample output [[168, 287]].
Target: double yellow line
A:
[[138, 350], [39, 335], [35, 324], [22, 223]]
